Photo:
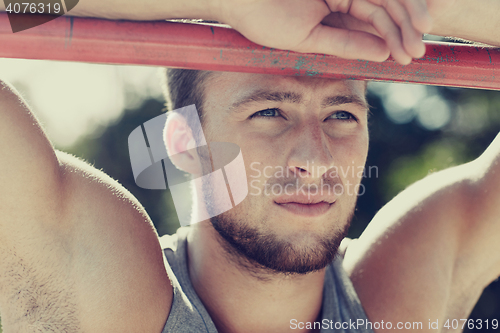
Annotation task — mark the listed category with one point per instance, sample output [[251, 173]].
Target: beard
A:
[[268, 253]]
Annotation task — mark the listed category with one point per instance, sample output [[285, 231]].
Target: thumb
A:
[[349, 44]]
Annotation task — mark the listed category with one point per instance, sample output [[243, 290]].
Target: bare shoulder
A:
[[94, 266], [404, 264]]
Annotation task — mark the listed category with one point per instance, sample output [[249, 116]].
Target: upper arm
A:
[[431, 250], [30, 180], [118, 265], [479, 252], [76, 246]]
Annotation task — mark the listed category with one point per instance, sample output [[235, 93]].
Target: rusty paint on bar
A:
[[206, 47]]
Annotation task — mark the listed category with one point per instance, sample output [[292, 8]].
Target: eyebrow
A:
[[291, 97], [344, 99], [264, 96]]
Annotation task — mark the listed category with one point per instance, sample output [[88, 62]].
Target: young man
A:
[[79, 253]]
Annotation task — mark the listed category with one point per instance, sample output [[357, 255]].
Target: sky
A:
[[71, 99]]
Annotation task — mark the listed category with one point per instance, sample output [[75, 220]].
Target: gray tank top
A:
[[341, 309]]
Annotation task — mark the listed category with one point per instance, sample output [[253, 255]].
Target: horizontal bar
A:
[[205, 47]]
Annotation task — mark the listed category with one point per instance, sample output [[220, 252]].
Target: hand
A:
[[353, 29]]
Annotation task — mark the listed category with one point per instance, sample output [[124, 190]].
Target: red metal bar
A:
[[221, 49]]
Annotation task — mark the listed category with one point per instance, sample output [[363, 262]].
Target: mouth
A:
[[306, 209]]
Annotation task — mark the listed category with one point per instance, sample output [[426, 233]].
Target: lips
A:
[[304, 199], [305, 205], [309, 210]]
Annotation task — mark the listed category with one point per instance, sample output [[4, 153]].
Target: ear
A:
[[181, 146]]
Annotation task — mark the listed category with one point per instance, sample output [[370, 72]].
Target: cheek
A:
[[258, 174], [351, 158], [259, 153]]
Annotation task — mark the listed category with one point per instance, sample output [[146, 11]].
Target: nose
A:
[[310, 156]]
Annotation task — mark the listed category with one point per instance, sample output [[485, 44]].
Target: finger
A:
[[385, 26], [412, 38], [343, 43]]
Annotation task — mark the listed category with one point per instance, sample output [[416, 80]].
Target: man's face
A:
[[304, 142]]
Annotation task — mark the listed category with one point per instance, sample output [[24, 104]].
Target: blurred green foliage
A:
[[406, 170], [402, 153]]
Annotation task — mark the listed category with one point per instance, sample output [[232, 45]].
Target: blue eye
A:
[[343, 115], [268, 113]]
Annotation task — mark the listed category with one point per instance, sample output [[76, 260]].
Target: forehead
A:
[[226, 89]]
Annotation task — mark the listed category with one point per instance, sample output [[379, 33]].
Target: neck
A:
[[240, 299]]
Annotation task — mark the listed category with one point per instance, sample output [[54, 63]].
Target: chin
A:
[[274, 252]]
